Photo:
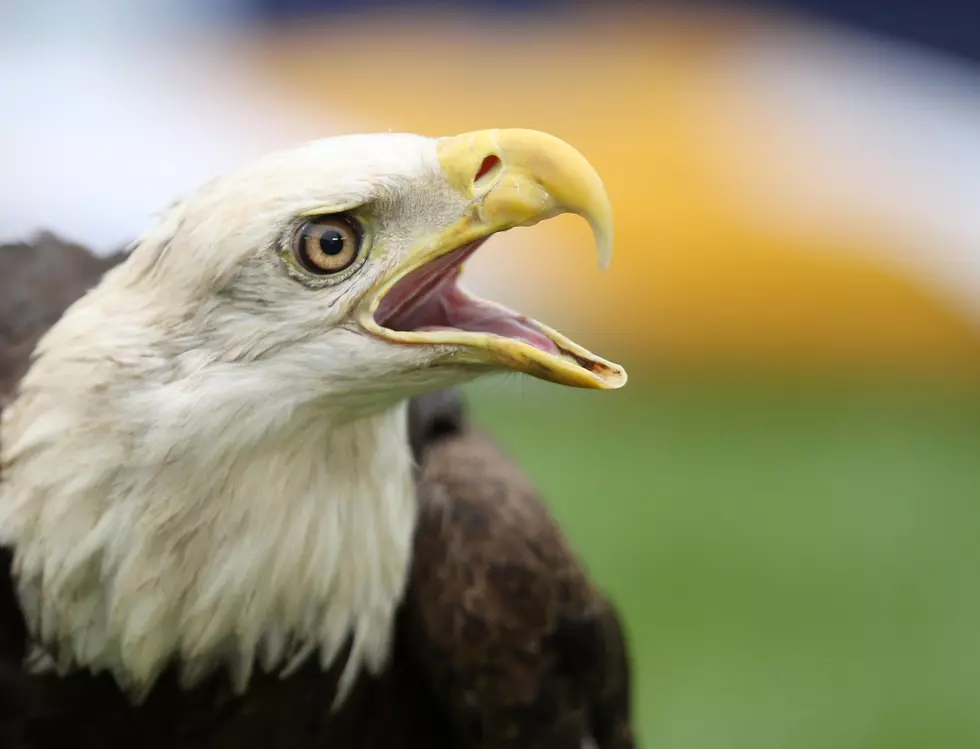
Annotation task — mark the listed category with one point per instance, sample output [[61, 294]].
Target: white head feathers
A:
[[207, 461]]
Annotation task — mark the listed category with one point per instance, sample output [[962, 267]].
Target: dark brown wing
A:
[[511, 633], [38, 281]]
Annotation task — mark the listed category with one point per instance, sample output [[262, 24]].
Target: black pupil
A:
[[332, 242]]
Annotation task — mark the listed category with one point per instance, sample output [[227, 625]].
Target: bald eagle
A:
[[241, 504]]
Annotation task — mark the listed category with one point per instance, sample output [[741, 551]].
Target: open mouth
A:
[[430, 298], [428, 305]]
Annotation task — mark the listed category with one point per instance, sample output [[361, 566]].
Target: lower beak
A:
[[508, 178]]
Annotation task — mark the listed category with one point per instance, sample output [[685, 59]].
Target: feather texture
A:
[[501, 640]]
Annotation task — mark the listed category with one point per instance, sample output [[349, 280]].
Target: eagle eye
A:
[[327, 244]]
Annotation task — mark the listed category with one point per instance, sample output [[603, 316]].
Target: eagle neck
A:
[[264, 556]]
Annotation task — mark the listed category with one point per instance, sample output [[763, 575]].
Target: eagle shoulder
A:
[[506, 624], [39, 280]]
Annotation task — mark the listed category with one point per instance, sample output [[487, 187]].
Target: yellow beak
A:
[[510, 178]]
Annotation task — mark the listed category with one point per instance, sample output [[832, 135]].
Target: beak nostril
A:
[[488, 170]]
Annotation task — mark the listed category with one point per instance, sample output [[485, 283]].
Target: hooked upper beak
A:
[[507, 178]]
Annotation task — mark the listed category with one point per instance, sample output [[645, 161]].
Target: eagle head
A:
[[207, 462], [333, 269]]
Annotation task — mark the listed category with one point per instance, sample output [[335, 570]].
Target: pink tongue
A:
[[466, 314], [430, 299]]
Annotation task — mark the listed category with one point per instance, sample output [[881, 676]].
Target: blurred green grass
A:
[[798, 567]]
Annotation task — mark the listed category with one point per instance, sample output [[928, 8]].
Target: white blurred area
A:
[[111, 108], [885, 145]]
